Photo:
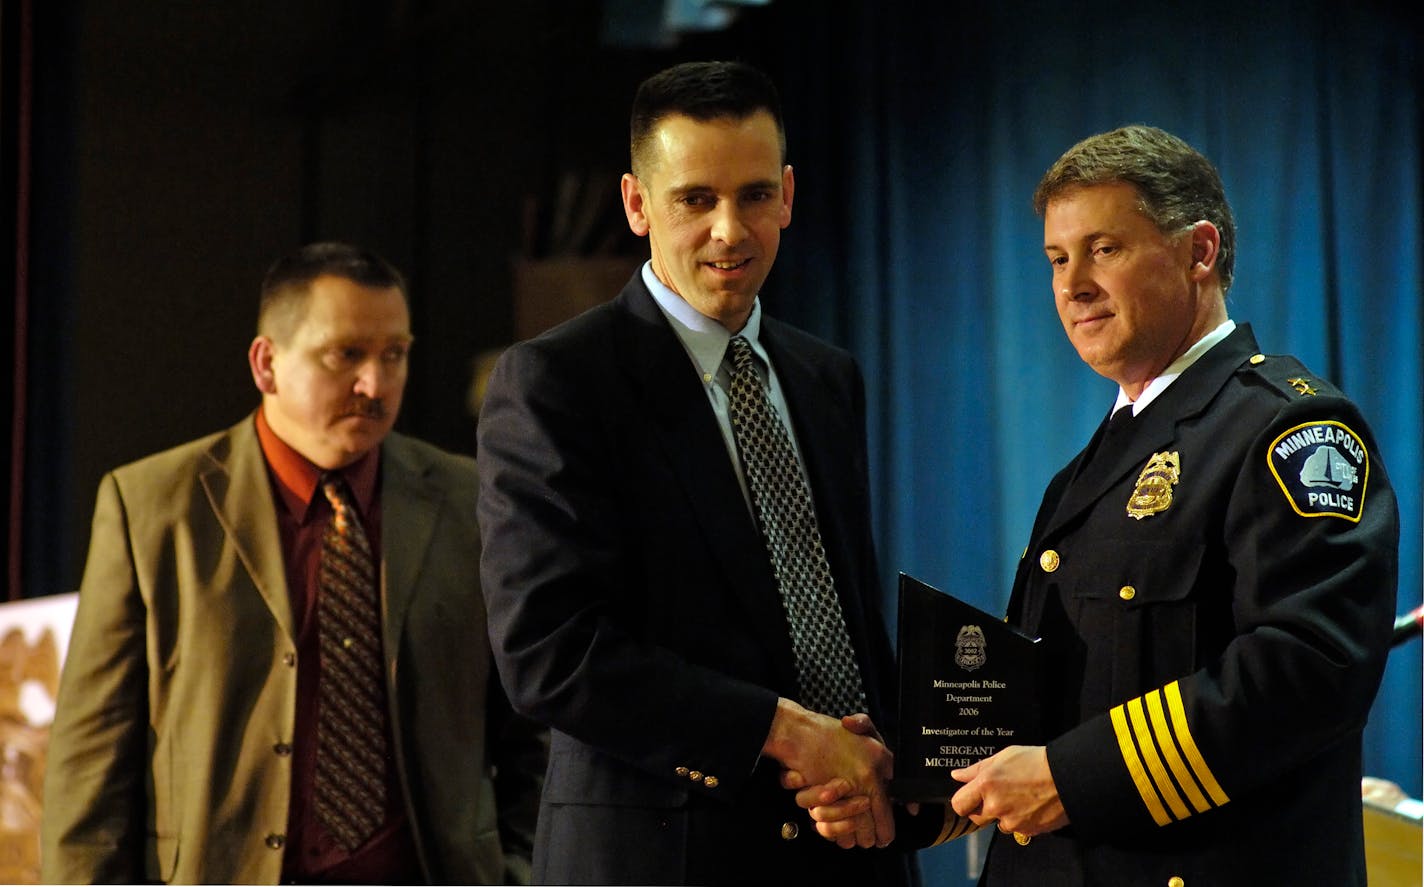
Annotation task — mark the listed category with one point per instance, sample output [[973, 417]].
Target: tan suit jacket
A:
[[169, 757]]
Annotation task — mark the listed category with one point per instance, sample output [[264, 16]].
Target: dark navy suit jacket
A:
[[633, 608]]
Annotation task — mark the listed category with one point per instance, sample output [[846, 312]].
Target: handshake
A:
[[840, 769]]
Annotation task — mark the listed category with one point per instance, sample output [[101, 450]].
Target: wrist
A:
[[788, 722]]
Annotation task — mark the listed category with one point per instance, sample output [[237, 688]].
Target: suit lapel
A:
[[409, 508], [687, 433], [235, 480], [1156, 427]]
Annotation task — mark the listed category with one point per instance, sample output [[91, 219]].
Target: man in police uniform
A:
[[1213, 576]]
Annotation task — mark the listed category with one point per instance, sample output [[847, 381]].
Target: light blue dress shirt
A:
[[705, 341]]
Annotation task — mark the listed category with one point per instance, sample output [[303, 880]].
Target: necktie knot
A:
[[742, 357], [344, 514], [1120, 420]]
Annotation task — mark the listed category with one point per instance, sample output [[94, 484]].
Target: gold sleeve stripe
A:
[[1165, 789], [1189, 745], [955, 826], [1168, 744], [1134, 767]]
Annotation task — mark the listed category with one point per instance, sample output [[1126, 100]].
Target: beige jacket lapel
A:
[[236, 482]]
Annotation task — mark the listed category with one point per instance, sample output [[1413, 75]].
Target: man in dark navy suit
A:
[[643, 597]]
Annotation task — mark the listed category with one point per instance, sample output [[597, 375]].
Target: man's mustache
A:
[[366, 407]]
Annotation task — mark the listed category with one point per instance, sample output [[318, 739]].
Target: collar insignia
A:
[[1302, 386]]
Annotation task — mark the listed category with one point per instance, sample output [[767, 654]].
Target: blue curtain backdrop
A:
[[918, 134]]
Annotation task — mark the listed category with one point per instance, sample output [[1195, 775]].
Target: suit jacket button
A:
[[682, 771], [1127, 592], [275, 841], [282, 748], [695, 776], [289, 659], [1049, 561], [789, 831], [1176, 881], [710, 781]]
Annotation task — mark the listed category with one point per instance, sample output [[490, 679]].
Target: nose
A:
[[1074, 282], [374, 378], [727, 225]]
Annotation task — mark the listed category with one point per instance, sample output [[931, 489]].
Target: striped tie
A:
[[825, 663], [350, 788]]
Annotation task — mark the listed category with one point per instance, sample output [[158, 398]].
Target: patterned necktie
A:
[[350, 788], [829, 676]]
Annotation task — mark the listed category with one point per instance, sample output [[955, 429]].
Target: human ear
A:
[[788, 191], [633, 206], [1206, 248], [259, 360]]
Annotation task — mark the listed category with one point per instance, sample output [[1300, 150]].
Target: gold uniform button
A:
[[1176, 880], [1049, 561], [1256, 360], [682, 771], [1127, 592], [695, 776], [789, 831], [1022, 838], [275, 841], [710, 782]]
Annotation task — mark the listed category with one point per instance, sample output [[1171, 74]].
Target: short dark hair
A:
[[1177, 185], [288, 281], [703, 91]]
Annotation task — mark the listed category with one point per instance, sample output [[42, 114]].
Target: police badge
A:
[[1154, 485], [970, 648]]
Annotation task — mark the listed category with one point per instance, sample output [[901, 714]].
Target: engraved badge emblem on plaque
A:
[[969, 648]]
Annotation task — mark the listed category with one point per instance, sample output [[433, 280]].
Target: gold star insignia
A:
[[1301, 385]]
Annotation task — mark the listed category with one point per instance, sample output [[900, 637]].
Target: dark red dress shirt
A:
[[312, 854]]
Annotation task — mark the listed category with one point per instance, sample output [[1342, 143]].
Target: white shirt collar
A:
[[1174, 369]]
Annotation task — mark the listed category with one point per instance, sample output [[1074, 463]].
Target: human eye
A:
[[696, 200], [396, 353], [1104, 248], [339, 357]]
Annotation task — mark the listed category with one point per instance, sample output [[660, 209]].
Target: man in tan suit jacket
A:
[[183, 743]]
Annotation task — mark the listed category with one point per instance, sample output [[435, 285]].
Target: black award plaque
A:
[[968, 689]]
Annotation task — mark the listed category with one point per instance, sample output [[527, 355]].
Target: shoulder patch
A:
[[1322, 467]]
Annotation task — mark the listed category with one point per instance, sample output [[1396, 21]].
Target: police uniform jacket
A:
[[1215, 587]]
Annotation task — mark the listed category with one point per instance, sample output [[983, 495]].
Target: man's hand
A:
[[837, 821], [1014, 787], [827, 760]]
